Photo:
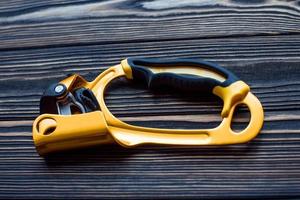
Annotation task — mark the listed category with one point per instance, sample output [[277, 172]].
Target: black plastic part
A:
[[48, 100], [184, 82], [87, 99]]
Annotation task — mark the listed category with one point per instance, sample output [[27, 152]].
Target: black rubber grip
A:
[[141, 71]]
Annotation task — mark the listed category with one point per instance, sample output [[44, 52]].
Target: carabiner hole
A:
[[240, 118], [46, 126], [49, 130]]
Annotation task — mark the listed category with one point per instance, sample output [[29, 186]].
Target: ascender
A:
[[73, 113]]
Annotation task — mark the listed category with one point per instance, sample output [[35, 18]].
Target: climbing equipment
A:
[[74, 114]]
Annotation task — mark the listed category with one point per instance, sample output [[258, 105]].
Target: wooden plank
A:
[[10, 8], [258, 40], [60, 24], [56, 63], [268, 167]]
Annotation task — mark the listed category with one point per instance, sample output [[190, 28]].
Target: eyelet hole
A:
[[241, 118], [46, 126], [49, 130]]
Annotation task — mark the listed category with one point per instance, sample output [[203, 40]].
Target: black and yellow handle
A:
[[188, 75], [182, 74]]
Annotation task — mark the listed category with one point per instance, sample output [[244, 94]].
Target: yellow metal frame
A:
[[59, 132]]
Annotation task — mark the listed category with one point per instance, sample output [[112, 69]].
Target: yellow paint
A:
[[127, 69], [102, 127], [231, 94], [70, 132]]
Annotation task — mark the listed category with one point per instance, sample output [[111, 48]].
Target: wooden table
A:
[[43, 41]]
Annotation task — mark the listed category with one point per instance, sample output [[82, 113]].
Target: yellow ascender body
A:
[[74, 114]]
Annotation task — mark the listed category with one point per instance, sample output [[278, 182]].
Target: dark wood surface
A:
[[43, 41]]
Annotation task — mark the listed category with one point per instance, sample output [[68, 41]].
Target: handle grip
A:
[[182, 74], [188, 75]]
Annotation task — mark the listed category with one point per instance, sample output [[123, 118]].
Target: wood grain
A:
[[52, 25], [43, 41]]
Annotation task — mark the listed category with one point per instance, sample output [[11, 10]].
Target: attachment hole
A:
[[46, 126], [49, 131], [240, 118]]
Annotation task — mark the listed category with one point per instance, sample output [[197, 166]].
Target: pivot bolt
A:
[[59, 88]]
